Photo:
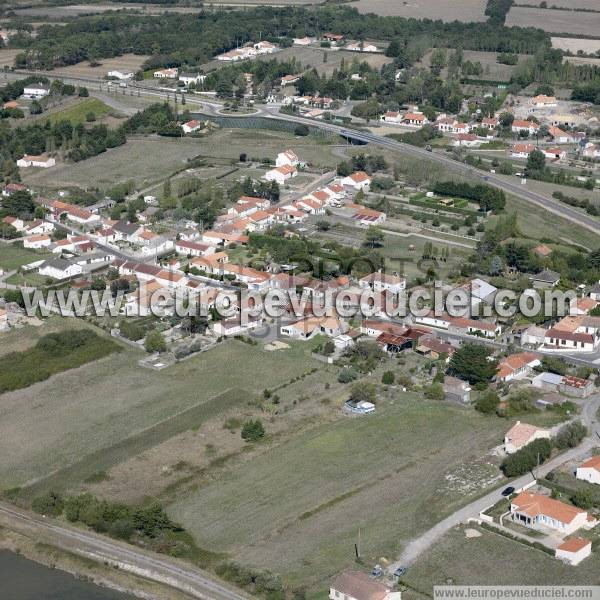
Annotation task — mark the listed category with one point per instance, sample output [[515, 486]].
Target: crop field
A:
[[445, 10], [566, 4], [494, 560], [555, 21], [574, 45], [86, 420], [297, 508]]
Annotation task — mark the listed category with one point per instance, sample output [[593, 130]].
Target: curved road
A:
[[129, 558], [272, 111]]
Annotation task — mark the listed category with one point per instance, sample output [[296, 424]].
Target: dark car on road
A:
[[506, 492]]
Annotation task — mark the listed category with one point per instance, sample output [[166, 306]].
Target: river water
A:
[[23, 579]]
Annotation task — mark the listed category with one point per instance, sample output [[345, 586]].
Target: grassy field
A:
[[297, 508], [149, 160], [13, 256], [555, 21], [537, 223], [494, 560], [567, 4], [445, 10], [77, 113], [108, 405]]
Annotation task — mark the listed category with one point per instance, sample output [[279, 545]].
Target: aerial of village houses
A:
[[299, 301]]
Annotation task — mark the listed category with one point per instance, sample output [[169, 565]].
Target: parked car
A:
[[377, 571], [400, 571], [506, 492]]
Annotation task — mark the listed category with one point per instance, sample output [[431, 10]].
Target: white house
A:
[[356, 585], [166, 73], [590, 470], [35, 91], [59, 268], [522, 150], [287, 158], [555, 153], [235, 326], [42, 161], [522, 434], [415, 119], [305, 41], [194, 78], [573, 551], [120, 75], [361, 47], [37, 241], [391, 116], [281, 174], [519, 126], [591, 150], [265, 47], [543, 101], [468, 140], [537, 511], [38, 227], [191, 126], [381, 282], [358, 181]]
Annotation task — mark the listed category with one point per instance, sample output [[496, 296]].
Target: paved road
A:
[[419, 545], [177, 574], [272, 111]]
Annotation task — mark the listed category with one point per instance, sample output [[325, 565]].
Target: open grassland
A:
[[555, 21], [13, 256], [297, 508], [494, 560], [126, 63], [574, 45], [86, 420], [77, 112], [149, 160], [536, 223], [444, 10]]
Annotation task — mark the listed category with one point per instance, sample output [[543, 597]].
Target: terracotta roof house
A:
[[517, 365], [542, 512], [521, 434], [590, 470], [356, 585], [574, 550]]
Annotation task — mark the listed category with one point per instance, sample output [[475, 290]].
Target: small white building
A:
[[287, 158], [391, 116], [358, 181], [35, 91], [522, 434], [361, 47], [166, 73], [356, 585], [42, 161], [281, 174], [58, 268], [382, 282], [121, 75], [573, 551], [191, 126], [590, 470], [36, 242], [194, 78]]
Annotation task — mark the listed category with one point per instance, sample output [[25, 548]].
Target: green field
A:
[[297, 508], [77, 113], [494, 560], [60, 423], [13, 256]]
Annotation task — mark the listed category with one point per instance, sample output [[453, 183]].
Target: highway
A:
[[156, 567]]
